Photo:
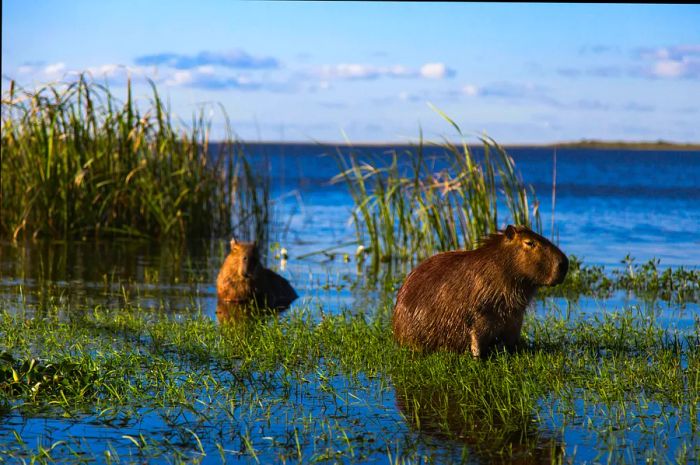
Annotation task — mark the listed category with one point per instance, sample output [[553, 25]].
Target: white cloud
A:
[[54, 70], [206, 69], [206, 74], [204, 77], [668, 68], [675, 62], [435, 71], [118, 73], [179, 78], [361, 71], [679, 61], [470, 90], [358, 71]]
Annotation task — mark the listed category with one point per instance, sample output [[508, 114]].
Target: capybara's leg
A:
[[511, 333], [478, 343]]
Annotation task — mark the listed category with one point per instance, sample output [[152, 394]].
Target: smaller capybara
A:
[[244, 280], [469, 300]]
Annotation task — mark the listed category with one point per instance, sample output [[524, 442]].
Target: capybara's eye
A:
[[530, 243]]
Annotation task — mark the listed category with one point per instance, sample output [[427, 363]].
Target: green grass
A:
[[401, 213], [646, 281], [303, 388], [77, 163]]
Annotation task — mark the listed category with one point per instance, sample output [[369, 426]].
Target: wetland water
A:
[[609, 203]]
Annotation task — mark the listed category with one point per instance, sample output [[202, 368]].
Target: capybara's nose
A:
[[562, 269]]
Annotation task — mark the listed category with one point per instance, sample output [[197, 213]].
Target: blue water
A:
[[609, 203]]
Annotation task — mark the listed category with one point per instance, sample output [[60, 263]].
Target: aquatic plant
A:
[[77, 163], [647, 281], [406, 210], [305, 389]]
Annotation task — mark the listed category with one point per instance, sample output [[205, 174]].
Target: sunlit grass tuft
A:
[[405, 209], [76, 162]]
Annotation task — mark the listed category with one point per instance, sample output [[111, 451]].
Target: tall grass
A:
[[76, 162], [404, 209]]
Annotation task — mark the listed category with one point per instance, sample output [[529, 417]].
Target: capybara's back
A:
[[244, 280], [275, 291], [467, 300]]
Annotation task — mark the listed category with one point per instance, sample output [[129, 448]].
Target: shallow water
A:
[[608, 204]]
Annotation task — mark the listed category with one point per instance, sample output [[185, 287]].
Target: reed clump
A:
[[76, 162], [405, 209]]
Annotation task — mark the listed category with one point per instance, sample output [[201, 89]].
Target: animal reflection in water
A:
[[234, 314], [441, 413], [244, 286]]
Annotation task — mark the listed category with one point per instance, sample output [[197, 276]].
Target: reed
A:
[[79, 163], [404, 209]]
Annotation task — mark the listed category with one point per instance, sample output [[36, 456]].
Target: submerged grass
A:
[[336, 388], [405, 209], [646, 280], [77, 163]]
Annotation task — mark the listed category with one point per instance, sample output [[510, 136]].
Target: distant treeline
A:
[[584, 143], [641, 145]]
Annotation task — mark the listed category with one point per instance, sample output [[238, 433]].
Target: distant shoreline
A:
[[583, 144], [656, 145]]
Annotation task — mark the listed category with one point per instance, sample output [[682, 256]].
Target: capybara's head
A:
[[534, 257], [246, 258]]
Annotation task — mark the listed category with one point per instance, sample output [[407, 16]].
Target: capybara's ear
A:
[[233, 243], [510, 231]]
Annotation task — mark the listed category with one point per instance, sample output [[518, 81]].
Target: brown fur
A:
[[467, 300], [243, 280]]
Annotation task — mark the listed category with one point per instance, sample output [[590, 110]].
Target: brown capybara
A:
[[243, 280], [468, 300]]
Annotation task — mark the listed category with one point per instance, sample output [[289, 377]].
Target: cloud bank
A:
[[680, 61], [234, 70], [230, 59], [674, 62]]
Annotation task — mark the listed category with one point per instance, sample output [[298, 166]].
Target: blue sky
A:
[[522, 73]]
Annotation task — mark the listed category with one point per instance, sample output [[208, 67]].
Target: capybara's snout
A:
[[561, 268]]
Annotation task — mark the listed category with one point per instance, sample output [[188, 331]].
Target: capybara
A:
[[243, 280], [468, 300]]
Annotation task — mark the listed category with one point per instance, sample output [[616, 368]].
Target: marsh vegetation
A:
[[77, 162], [336, 388], [411, 209], [110, 352]]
